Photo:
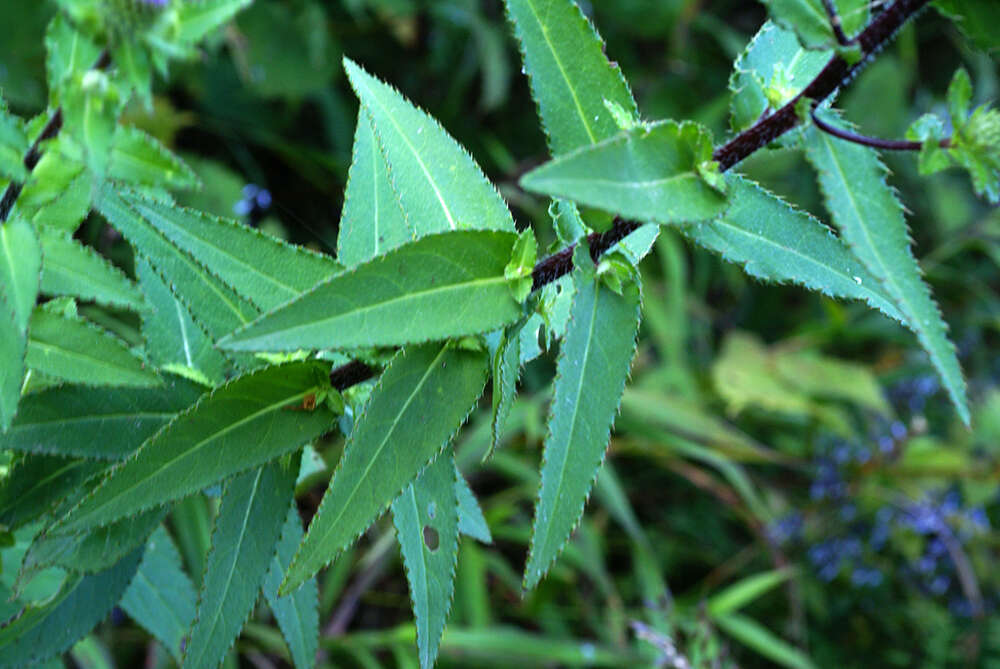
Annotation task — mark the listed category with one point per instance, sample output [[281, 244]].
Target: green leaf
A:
[[20, 267], [297, 613], [649, 173], [73, 350], [372, 221], [69, 54], [746, 590], [810, 22], [959, 96], [174, 341], [440, 186], [140, 159], [757, 637], [569, 74], [132, 60], [266, 271], [246, 533], [213, 304], [13, 145], [20, 263], [91, 551], [420, 401], [38, 483], [775, 242], [103, 423], [506, 371], [593, 364], [57, 193], [70, 268], [522, 262], [196, 19], [161, 597], [426, 519], [771, 71], [249, 421], [975, 18], [444, 285], [471, 521], [43, 630], [870, 218]]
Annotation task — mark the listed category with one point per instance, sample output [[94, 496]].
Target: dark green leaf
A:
[[422, 398], [39, 483], [70, 268]]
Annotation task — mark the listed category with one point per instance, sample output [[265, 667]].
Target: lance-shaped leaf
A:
[[471, 521], [444, 285], [195, 20], [593, 364], [649, 173], [870, 218], [421, 400], [161, 597], [13, 346], [90, 551], [775, 242], [37, 484], [243, 542], [20, 264], [264, 270], [372, 221], [213, 304], [249, 421], [574, 84], [138, 158], [41, 631], [569, 74], [506, 371], [811, 22], [772, 70], [440, 186], [74, 350], [13, 145], [426, 519], [57, 194], [70, 268], [103, 423], [297, 613], [174, 341]]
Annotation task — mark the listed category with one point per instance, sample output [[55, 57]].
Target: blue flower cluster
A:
[[254, 203]]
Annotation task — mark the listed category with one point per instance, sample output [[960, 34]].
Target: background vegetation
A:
[[786, 479]]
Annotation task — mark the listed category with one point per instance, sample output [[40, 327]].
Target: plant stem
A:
[[864, 140], [838, 28]]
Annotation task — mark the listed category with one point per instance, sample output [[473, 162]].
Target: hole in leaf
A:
[[431, 538]]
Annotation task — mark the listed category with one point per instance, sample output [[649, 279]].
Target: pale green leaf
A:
[[213, 304], [775, 242], [372, 221], [264, 270], [420, 401], [440, 186], [244, 539], [251, 420], [20, 267], [569, 74], [70, 268], [140, 159], [593, 364], [161, 597], [649, 173], [426, 519], [197, 18], [471, 521], [811, 23], [91, 551], [771, 71], [57, 193], [41, 631], [13, 145], [68, 53], [444, 285], [746, 590], [870, 218], [757, 637], [173, 339], [74, 350], [132, 61], [103, 423], [297, 613]]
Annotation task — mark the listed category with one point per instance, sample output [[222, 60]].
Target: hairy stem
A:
[[874, 142]]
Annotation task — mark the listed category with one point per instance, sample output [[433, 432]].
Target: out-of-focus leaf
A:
[[812, 24], [195, 20], [975, 18], [757, 637], [744, 591]]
